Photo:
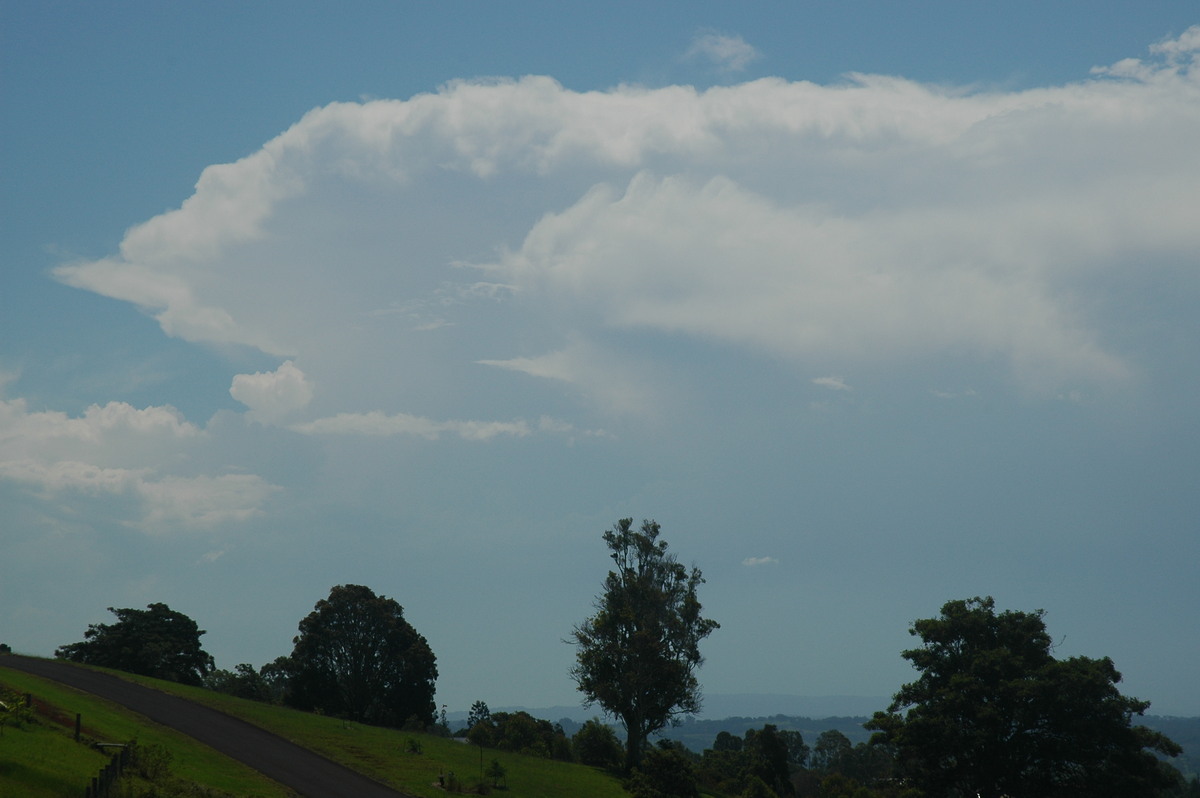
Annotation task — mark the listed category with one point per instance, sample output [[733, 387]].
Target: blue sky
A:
[[871, 305]]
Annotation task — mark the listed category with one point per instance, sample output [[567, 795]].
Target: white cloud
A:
[[18, 426], [377, 424], [753, 562], [120, 451], [729, 53], [869, 225], [1187, 43], [72, 475], [832, 383], [717, 261], [617, 382], [273, 395], [204, 501], [969, 392]]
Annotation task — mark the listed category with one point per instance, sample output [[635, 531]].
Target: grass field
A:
[[39, 762], [384, 754], [42, 758]]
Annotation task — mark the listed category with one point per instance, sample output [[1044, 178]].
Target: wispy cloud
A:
[[728, 52], [832, 383], [968, 392], [379, 424], [754, 562]]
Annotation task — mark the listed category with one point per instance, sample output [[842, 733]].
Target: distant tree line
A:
[[991, 714]]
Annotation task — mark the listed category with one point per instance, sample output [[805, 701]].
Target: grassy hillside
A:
[[40, 759], [388, 756], [408, 761]]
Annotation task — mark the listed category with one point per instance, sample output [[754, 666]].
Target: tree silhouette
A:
[[637, 656]]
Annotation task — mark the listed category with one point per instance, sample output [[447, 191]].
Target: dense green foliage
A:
[[596, 744], [993, 714], [357, 657], [521, 733], [637, 656], [156, 641], [243, 682], [761, 762], [664, 772], [479, 712]]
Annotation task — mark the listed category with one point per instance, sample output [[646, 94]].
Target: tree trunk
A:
[[633, 753], [634, 740]]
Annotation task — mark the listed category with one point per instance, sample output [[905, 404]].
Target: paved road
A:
[[298, 769]]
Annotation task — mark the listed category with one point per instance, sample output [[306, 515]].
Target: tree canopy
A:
[[994, 713], [357, 657], [156, 641], [637, 656]]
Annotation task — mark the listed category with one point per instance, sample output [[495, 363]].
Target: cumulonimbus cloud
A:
[[875, 222]]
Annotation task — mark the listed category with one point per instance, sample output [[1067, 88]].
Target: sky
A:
[[872, 306]]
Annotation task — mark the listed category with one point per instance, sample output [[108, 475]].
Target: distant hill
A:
[[729, 705], [761, 705], [1186, 732], [811, 715], [697, 735]]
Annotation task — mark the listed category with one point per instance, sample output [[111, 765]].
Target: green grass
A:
[[43, 759], [383, 753], [380, 753], [40, 762]]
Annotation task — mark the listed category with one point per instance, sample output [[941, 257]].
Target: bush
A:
[[151, 762], [664, 773], [596, 744], [13, 711]]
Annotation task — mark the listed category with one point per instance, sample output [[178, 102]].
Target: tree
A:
[[156, 641], [727, 742], [637, 656], [596, 744], [994, 713], [496, 772], [522, 733], [357, 657], [767, 752], [831, 751], [664, 772], [276, 674], [479, 712], [243, 682], [797, 749]]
